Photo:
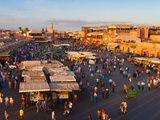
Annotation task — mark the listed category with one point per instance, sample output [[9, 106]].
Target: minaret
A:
[[50, 30]]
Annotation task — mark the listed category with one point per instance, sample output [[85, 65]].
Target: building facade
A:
[[144, 49]]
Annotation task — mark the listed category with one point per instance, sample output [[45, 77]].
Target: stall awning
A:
[[32, 73], [34, 78], [153, 60], [33, 86], [65, 73], [95, 33], [64, 86], [4, 55], [62, 78]]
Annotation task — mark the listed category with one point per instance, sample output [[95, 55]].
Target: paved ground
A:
[[144, 106]]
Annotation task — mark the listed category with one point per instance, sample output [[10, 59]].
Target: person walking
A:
[[149, 86], [110, 82], [107, 80], [23, 101], [97, 80], [21, 114], [7, 101], [70, 107], [103, 115], [130, 80], [95, 97], [6, 115], [89, 117], [88, 85], [91, 96], [139, 83], [99, 114], [9, 84], [114, 67], [1, 97], [103, 93], [11, 101], [107, 93], [75, 98], [142, 84], [113, 86], [125, 107], [15, 84], [37, 105], [66, 109], [53, 115]]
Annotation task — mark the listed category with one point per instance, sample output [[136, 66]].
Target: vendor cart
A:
[[131, 93]]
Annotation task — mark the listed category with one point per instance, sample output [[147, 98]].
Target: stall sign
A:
[[35, 96], [63, 95]]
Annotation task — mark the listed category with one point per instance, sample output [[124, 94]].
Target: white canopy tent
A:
[[38, 68], [92, 62], [56, 70], [32, 73], [74, 54], [65, 73], [29, 64], [33, 86], [89, 55], [64, 86], [34, 78], [153, 60], [62, 78], [141, 58]]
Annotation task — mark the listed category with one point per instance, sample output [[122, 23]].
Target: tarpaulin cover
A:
[[33, 86], [32, 73], [60, 78], [64, 86], [34, 78]]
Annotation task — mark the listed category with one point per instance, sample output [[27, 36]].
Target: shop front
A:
[[62, 90], [35, 90]]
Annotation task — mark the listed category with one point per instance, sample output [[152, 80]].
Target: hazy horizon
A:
[[71, 15]]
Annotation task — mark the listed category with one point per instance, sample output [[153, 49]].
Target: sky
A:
[[71, 15]]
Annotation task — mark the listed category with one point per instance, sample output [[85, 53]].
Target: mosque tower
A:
[[50, 30]]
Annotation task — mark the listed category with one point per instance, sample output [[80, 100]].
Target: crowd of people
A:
[[99, 75]]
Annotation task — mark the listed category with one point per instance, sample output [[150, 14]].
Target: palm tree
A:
[[20, 28], [26, 30], [46, 29]]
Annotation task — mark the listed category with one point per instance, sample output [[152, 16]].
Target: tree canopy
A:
[[26, 30], [20, 28], [46, 29], [43, 31]]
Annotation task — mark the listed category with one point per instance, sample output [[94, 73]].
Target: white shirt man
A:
[[53, 115], [70, 106]]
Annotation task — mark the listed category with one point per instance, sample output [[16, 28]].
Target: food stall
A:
[[36, 89], [88, 55], [62, 89], [24, 65], [72, 55], [146, 61]]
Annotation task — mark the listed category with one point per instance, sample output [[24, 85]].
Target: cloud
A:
[[21, 9], [33, 2], [10, 18], [76, 24]]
